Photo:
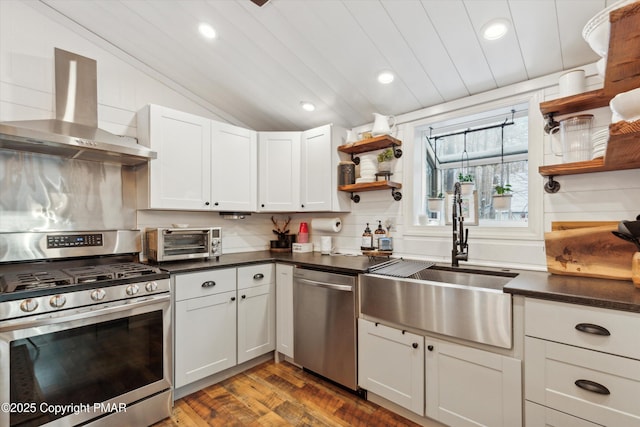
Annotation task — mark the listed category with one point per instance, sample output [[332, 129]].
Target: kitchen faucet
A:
[[460, 235]]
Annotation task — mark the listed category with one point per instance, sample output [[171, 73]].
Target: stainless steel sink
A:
[[458, 302], [465, 277]]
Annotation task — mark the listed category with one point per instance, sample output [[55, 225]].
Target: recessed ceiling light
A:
[[496, 29], [207, 31], [385, 77], [307, 106]]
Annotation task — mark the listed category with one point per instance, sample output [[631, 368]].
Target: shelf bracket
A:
[[397, 153], [355, 198], [355, 159], [551, 126], [551, 186], [397, 196]]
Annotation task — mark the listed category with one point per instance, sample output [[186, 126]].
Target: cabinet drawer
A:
[[204, 283], [541, 416], [582, 326], [571, 380], [255, 275]]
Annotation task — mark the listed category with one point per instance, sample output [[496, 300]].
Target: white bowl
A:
[[596, 31], [601, 66], [626, 105]]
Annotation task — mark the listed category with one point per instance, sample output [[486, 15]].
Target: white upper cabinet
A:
[[202, 164], [279, 171], [298, 171], [179, 178], [234, 168]]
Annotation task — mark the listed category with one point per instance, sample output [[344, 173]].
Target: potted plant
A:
[[466, 183], [384, 160], [502, 198], [435, 203]]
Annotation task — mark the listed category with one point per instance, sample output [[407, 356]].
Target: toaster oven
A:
[[173, 244]]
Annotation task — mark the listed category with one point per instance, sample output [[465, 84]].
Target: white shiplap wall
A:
[[27, 39]]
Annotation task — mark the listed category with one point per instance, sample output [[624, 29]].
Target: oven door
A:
[[70, 367]]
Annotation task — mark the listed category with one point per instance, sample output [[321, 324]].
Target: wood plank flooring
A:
[[278, 394]]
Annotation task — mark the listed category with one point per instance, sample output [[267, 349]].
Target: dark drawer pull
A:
[[592, 386], [258, 276], [209, 284], [590, 328]]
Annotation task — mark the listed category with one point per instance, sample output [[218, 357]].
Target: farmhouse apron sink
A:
[[462, 303]]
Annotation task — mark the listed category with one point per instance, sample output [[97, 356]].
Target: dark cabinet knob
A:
[[414, 345], [233, 298], [244, 296], [206, 203], [262, 205], [216, 203], [302, 206], [430, 347]]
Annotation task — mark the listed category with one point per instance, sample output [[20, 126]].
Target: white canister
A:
[[571, 83], [326, 245]]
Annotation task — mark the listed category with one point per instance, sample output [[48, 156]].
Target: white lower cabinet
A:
[[284, 309], [223, 317], [541, 416], [205, 324], [585, 363], [391, 364], [456, 385], [256, 311], [470, 387]]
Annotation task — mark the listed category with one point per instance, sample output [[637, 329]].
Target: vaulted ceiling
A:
[[268, 59]]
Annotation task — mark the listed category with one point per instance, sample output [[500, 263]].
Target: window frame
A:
[[415, 170]]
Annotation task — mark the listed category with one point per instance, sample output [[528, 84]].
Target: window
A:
[[492, 147]]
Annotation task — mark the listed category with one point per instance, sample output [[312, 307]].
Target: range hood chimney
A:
[[74, 133]]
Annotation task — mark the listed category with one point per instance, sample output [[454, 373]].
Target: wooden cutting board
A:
[[590, 251]]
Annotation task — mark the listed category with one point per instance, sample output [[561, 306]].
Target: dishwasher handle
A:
[[344, 288]]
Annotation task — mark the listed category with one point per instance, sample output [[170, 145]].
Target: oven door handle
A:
[[83, 313]]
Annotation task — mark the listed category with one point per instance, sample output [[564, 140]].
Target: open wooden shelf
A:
[[371, 144], [370, 186], [622, 74]]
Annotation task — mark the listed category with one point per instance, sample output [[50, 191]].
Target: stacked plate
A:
[[599, 140], [368, 168]]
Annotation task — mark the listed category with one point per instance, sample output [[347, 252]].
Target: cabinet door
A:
[[284, 309], [179, 177], [256, 321], [279, 171], [316, 170], [541, 416], [467, 386], [391, 364], [205, 336], [234, 168]]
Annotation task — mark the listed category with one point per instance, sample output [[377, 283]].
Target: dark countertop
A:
[[345, 264], [612, 294]]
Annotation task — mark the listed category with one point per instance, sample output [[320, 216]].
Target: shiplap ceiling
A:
[[267, 59]]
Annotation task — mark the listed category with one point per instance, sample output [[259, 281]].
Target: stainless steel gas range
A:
[[85, 331]]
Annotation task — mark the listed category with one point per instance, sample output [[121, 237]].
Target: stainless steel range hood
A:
[[74, 133]]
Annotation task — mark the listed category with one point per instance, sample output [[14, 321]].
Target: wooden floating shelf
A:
[[570, 104], [370, 144], [369, 186], [623, 152]]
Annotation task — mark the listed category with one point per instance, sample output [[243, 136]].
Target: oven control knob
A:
[[29, 305], [98, 294], [132, 289], [57, 301], [151, 286]]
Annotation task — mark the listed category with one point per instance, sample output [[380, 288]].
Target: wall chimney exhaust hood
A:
[[74, 133]]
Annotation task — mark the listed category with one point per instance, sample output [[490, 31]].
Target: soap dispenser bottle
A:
[[378, 234], [367, 239]]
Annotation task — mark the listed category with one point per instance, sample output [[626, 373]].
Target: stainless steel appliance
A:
[[85, 331], [74, 133], [172, 244], [325, 334]]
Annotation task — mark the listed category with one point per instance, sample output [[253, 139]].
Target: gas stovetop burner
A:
[[31, 280], [35, 280]]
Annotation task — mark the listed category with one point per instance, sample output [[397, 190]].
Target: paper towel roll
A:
[[322, 225]]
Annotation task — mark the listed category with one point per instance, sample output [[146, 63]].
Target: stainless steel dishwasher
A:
[[324, 328]]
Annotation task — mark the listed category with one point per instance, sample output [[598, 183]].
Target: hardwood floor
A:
[[278, 394]]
